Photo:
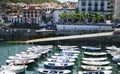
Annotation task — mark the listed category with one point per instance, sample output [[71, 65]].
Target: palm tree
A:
[[100, 17]]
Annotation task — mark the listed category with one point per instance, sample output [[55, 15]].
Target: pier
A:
[[65, 37]]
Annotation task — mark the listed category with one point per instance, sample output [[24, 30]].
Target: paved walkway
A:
[[67, 37]]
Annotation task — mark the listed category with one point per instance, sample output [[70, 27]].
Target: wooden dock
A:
[[65, 37]]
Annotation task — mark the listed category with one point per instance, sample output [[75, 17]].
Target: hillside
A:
[[29, 1]]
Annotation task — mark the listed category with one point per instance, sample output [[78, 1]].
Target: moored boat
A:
[[60, 60], [19, 62], [7, 72], [93, 68], [53, 71], [58, 65], [95, 72], [14, 68], [96, 63], [95, 59], [95, 53], [90, 48], [70, 57]]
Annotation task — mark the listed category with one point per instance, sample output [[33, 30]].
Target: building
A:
[[29, 14], [64, 8], [117, 10], [94, 7]]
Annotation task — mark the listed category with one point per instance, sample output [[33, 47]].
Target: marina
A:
[[77, 66]]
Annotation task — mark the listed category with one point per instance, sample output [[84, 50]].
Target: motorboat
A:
[[95, 59], [58, 65], [53, 71], [19, 58], [72, 57], [71, 51], [111, 47], [28, 55], [14, 68], [93, 68], [90, 48], [60, 60], [96, 63], [95, 72], [19, 61], [68, 54], [66, 46], [6, 72], [95, 53]]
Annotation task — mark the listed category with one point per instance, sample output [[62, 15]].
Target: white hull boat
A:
[[19, 58], [20, 62], [95, 59], [32, 56], [96, 63], [58, 65], [70, 57], [14, 68], [71, 51], [60, 60], [111, 48], [66, 54], [95, 53], [7, 72], [93, 68], [53, 71], [90, 48], [95, 72]]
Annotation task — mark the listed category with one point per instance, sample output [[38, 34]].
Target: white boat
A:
[[60, 60], [93, 68], [14, 68], [66, 46], [116, 58], [71, 51], [53, 71], [90, 48], [58, 65], [72, 57], [69, 54], [95, 59], [118, 63], [20, 62], [95, 72], [19, 58], [111, 47], [95, 53], [96, 63], [6, 72], [28, 55]]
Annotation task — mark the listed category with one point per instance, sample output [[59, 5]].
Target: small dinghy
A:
[[19, 58], [93, 68], [70, 57], [60, 60], [91, 48], [19, 62], [95, 72], [111, 48], [71, 51], [64, 54], [53, 71], [95, 53], [96, 63], [95, 59], [58, 65], [28, 55], [14, 68], [6, 72]]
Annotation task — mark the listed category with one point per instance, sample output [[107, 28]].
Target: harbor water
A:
[[8, 49]]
